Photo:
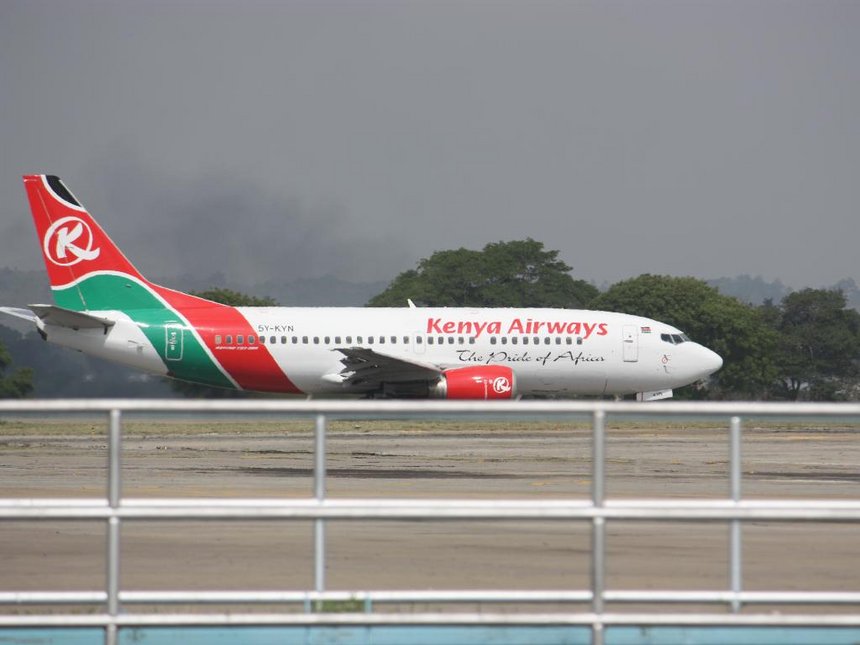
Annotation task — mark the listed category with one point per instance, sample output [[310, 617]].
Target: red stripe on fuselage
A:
[[251, 366]]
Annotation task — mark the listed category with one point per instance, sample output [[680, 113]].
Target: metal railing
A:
[[115, 509]]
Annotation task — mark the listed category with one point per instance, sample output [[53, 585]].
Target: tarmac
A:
[[417, 459]]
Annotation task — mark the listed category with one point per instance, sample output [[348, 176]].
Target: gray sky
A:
[[297, 139]]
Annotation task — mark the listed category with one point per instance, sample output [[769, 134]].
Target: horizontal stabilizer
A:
[[53, 315], [24, 314]]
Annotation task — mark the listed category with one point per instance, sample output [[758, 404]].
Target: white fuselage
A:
[[551, 351]]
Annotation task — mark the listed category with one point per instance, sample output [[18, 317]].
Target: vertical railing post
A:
[[114, 493], [598, 527], [319, 493], [735, 539]]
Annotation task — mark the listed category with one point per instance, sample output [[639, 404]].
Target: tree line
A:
[[804, 347]]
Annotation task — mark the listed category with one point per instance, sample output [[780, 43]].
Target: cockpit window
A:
[[674, 339]]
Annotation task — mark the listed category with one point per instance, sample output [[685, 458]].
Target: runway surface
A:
[[548, 460]]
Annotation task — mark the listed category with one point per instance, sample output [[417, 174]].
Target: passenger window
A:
[[513, 340], [370, 340], [217, 339], [406, 340], [579, 340], [547, 341], [229, 340], [450, 340], [558, 340], [471, 340], [349, 340], [461, 340], [304, 340], [429, 340], [393, 340], [358, 340], [240, 340], [568, 340], [418, 340], [337, 340], [283, 340], [382, 340], [252, 340], [492, 340], [316, 340], [262, 340], [536, 340], [504, 340], [441, 340], [525, 340], [295, 340], [327, 340]]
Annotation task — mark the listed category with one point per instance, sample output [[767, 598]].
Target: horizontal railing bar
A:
[[745, 597], [470, 618], [438, 596], [306, 407], [423, 509], [262, 597], [52, 597]]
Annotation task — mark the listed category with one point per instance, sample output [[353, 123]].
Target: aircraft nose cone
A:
[[711, 361]]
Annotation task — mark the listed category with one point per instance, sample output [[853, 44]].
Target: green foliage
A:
[[736, 331], [503, 274], [234, 298], [351, 606], [818, 354], [18, 384]]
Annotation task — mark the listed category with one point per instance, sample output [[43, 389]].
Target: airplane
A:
[[103, 306]]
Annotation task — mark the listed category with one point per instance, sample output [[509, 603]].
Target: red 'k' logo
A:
[[501, 385], [68, 241]]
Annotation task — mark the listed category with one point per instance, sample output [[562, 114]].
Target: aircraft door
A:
[[418, 342], [174, 337], [630, 343]]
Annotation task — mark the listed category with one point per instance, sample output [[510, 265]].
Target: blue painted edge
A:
[[50, 636], [431, 635], [724, 635]]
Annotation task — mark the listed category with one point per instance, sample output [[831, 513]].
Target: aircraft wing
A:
[[53, 315], [366, 369]]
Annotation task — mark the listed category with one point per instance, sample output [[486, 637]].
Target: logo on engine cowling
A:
[[68, 241], [501, 385]]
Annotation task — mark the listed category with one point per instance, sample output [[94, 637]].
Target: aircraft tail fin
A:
[[75, 248]]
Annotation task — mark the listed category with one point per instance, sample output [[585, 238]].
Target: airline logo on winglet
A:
[[64, 245]]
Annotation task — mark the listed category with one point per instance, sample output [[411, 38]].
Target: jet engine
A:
[[475, 382]]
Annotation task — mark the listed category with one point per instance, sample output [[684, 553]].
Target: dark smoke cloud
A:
[[219, 223]]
